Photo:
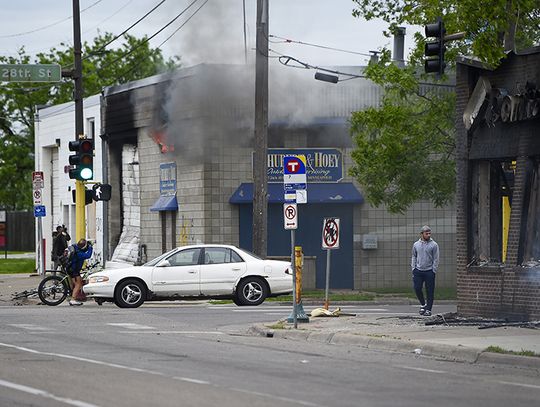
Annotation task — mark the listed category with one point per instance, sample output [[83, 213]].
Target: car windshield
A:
[[158, 259]]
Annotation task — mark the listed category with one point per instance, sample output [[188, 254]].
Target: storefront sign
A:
[[322, 164], [167, 179]]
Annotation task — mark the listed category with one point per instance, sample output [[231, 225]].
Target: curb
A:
[[438, 351]]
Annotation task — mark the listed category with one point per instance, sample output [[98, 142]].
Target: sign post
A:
[[330, 241], [39, 212], [294, 179], [3, 231]]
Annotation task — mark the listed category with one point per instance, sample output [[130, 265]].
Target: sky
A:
[[215, 33]]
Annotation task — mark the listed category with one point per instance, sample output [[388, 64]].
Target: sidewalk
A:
[[407, 334]]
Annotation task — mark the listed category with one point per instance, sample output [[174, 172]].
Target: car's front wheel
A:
[[251, 291], [130, 294]]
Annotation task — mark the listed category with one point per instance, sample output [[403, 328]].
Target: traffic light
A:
[[101, 192], [88, 195], [435, 48], [82, 160]]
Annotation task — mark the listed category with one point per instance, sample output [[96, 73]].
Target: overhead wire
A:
[[49, 25], [146, 40], [286, 40], [167, 39]]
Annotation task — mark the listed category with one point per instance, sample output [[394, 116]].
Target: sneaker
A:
[[427, 313], [74, 302], [422, 310]]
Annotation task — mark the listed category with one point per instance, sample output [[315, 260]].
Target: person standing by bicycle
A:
[[77, 254], [60, 243]]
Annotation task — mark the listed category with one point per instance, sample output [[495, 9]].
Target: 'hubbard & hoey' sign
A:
[[322, 164]]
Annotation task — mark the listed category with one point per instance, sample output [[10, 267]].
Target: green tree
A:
[[102, 66], [405, 146]]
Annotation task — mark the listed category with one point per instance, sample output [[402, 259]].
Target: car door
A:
[[178, 274], [220, 269]]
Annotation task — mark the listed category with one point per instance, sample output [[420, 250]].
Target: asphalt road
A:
[[197, 355]]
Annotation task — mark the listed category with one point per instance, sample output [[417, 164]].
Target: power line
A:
[[102, 48], [167, 39], [49, 25], [286, 40], [146, 40]]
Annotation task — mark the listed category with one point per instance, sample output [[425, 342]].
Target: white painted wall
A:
[[54, 129]]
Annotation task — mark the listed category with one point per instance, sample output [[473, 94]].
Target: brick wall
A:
[[496, 290]]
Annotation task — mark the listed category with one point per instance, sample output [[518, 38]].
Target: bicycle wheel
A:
[[52, 290]]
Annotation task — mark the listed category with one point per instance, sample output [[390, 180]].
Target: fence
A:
[[20, 231]]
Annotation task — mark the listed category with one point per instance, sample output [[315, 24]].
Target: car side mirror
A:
[[164, 263]]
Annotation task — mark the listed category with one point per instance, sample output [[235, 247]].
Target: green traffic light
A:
[[86, 173]]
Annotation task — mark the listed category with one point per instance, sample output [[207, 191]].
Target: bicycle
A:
[[54, 289]]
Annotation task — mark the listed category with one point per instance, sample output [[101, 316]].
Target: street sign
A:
[[30, 73], [37, 197], [330, 233], [37, 180], [39, 211], [294, 178], [290, 216], [2, 216]]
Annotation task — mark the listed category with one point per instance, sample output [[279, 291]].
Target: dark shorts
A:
[[74, 273]]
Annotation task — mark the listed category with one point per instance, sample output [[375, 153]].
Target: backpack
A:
[[67, 257]]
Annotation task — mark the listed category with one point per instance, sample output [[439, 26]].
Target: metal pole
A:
[[260, 176], [41, 264], [80, 215], [293, 265], [327, 278]]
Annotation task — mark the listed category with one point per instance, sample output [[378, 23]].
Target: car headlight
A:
[[98, 279]]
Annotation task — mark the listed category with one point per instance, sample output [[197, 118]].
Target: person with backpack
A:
[[75, 257]]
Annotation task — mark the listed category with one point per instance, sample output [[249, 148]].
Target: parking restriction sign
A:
[[290, 216], [330, 233]]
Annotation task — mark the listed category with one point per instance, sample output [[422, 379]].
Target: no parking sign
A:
[[330, 233]]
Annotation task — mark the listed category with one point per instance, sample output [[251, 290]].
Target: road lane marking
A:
[[46, 394], [530, 386], [31, 327], [420, 369], [128, 325], [187, 379], [274, 397], [176, 332]]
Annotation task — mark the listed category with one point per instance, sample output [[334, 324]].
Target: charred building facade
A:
[[498, 187]]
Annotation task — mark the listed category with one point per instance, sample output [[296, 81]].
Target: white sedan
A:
[[201, 271]]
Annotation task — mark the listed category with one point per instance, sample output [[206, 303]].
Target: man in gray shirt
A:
[[424, 264]]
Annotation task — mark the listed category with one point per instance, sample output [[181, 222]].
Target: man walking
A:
[[424, 264]]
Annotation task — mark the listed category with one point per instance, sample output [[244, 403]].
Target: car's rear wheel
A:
[[251, 291], [130, 294]]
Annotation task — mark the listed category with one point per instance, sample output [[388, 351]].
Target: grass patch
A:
[[443, 293], [220, 302], [332, 296], [277, 325], [522, 352], [8, 266], [378, 293]]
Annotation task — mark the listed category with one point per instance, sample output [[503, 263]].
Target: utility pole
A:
[[260, 175], [80, 215]]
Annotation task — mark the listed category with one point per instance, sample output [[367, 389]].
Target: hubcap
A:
[[253, 292], [131, 294]]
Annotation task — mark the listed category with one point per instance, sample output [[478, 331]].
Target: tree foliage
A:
[[102, 66], [405, 146]]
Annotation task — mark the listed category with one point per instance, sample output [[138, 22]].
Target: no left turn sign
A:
[[330, 233]]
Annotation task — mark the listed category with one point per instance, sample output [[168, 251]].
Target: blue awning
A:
[[342, 192], [165, 203]]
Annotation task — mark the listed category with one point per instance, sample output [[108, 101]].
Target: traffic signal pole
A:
[[80, 214]]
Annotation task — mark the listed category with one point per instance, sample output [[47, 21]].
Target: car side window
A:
[[188, 257], [220, 255], [235, 257]]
